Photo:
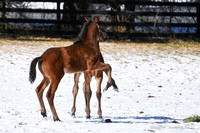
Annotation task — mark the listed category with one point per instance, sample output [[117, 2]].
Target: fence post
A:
[[58, 16], [3, 15], [3, 6], [131, 27], [198, 18]]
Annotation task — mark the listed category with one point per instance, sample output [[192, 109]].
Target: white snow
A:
[[156, 88]]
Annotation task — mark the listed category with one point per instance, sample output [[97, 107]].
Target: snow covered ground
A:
[[157, 90]]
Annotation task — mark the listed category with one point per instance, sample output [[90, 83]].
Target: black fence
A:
[[122, 19]]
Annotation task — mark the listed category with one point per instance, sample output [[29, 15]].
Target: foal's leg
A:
[[99, 78], [50, 96], [107, 68], [113, 81], [102, 66], [110, 84], [39, 90], [88, 94], [75, 91]]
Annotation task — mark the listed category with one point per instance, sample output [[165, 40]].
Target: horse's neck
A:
[[92, 42]]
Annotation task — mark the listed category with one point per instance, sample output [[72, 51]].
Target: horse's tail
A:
[[32, 72]]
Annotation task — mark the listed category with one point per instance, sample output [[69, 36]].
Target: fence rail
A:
[[137, 19], [98, 12]]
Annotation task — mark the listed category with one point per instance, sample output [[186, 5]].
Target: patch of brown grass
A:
[[172, 46], [177, 46]]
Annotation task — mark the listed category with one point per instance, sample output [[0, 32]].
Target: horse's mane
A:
[[83, 31]]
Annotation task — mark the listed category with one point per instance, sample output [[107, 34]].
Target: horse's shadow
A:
[[131, 119]]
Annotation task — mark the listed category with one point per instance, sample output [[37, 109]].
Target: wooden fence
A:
[[127, 19]]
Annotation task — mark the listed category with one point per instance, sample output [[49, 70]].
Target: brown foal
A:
[[99, 77], [81, 56]]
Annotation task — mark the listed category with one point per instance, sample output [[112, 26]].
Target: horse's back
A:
[[73, 58], [51, 54]]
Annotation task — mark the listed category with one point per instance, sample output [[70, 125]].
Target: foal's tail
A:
[[32, 72]]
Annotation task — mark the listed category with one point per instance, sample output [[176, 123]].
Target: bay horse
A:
[[98, 76], [79, 57]]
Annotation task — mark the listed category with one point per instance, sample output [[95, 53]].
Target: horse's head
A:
[[98, 28]]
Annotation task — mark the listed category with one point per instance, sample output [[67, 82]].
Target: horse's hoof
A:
[[43, 114], [73, 115], [116, 89], [88, 117], [57, 119], [105, 89]]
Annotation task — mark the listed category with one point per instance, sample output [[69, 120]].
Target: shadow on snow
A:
[[130, 120]]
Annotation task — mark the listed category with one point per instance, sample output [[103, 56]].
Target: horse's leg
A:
[[75, 91], [88, 94], [50, 96], [110, 84], [99, 78], [39, 90], [102, 66], [113, 81]]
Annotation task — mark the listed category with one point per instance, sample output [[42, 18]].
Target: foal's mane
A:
[[83, 31]]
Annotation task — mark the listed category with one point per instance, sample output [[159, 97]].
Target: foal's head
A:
[[92, 30]]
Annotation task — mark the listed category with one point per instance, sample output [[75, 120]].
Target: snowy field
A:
[[157, 90]]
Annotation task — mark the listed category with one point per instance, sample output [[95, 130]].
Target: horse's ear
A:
[[87, 18], [96, 19]]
